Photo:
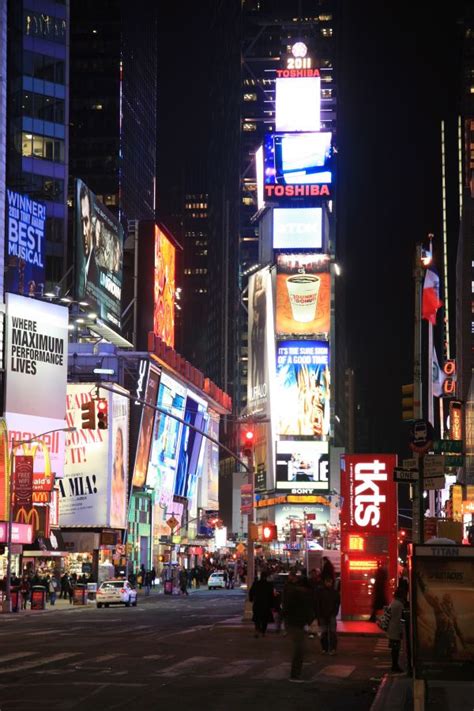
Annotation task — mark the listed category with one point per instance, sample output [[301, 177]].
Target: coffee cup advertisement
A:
[[303, 295]]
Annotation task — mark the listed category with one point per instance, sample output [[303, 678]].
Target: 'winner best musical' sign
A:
[[26, 221]]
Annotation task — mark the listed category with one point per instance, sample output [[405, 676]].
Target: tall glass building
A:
[[38, 115]]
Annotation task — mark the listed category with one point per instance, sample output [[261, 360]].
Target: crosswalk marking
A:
[[231, 669], [341, 671], [280, 671], [15, 655], [185, 666], [39, 662], [106, 657]]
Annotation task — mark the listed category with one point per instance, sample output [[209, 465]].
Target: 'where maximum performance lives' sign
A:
[[26, 219]]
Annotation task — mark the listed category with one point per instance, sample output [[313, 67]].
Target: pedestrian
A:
[[231, 579], [328, 602], [71, 587], [153, 576], [52, 588], [63, 592], [297, 612], [316, 585], [147, 582], [379, 592], [183, 582], [25, 588], [262, 598], [328, 570], [395, 628]]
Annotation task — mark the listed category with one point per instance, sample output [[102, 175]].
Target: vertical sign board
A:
[[25, 231], [442, 591], [368, 527], [260, 342]]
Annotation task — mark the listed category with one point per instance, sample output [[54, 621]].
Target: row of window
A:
[[196, 206], [42, 187], [195, 234], [195, 271], [35, 146], [40, 66], [39, 106], [48, 27], [197, 215]]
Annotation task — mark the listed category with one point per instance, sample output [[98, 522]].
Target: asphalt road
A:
[[171, 652]]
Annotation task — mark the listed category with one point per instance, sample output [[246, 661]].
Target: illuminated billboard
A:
[[99, 252], [260, 341], [297, 158], [189, 456], [303, 388], [302, 467], [164, 288], [303, 295], [260, 177], [146, 428], [291, 517], [297, 228], [298, 103], [26, 219]]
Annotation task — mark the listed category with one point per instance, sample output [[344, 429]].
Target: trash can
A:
[[15, 599], [80, 595], [168, 587], [91, 592], [38, 597]]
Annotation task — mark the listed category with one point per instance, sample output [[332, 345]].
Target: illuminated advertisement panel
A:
[[303, 388], [297, 228], [260, 177], [164, 287], [146, 428], [164, 451], [291, 517], [26, 219], [303, 295], [302, 467], [190, 446], [298, 158], [298, 103], [260, 340], [99, 251]]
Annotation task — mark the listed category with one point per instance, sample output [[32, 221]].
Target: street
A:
[[193, 652]]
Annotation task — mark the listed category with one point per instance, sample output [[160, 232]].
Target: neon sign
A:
[[367, 492]]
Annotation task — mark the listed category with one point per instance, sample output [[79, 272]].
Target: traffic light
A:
[[268, 532], [247, 444], [88, 415], [102, 414], [408, 402]]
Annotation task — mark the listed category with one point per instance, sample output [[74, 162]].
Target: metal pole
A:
[[251, 521], [418, 504]]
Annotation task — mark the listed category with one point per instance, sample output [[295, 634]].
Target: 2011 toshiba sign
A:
[[368, 529]]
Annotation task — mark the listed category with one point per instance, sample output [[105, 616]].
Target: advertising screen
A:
[[297, 158], [190, 446], [303, 388], [26, 219], [146, 428], [260, 178], [297, 228], [93, 491], [303, 295], [166, 437], [36, 357], [164, 286], [291, 517], [99, 252], [302, 467], [298, 104], [26, 427], [260, 340]]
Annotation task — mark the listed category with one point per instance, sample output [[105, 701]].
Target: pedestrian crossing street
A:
[[164, 666]]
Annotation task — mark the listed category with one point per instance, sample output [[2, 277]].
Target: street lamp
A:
[[7, 606]]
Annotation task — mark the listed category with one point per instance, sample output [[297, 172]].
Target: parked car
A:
[[216, 580], [116, 592]]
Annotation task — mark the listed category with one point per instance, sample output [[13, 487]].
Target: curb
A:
[[395, 693]]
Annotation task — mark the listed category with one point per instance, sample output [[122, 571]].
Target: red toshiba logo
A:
[[297, 191]]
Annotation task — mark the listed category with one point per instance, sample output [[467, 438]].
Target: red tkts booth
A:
[[368, 530]]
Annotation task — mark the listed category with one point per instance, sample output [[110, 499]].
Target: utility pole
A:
[[418, 504]]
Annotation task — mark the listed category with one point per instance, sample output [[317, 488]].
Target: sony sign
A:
[[297, 228]]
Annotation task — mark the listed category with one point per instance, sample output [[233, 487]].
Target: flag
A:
[[431, 301], [438, 376]]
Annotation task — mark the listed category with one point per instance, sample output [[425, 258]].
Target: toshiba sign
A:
[[369, 493]]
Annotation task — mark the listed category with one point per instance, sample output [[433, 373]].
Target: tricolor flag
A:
[[438, 376], [431, 301]]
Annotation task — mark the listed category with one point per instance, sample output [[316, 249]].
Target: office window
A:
[[248, 126], [54, 229], [48, 27], [39, 106], [42, 187], [40, 66], [36, 146]]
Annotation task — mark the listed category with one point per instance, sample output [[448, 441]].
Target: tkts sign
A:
[[369, 493]]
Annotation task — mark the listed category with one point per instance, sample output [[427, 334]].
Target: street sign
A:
[[434, 482], [400, 474], [433, 465], [454, 446], [172, 522], [421, 436], [453, 460], [410, 463]]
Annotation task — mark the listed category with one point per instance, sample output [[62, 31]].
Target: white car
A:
[[216, 580], [116, 592]]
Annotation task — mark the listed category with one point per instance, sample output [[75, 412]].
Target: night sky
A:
[[397, 77]]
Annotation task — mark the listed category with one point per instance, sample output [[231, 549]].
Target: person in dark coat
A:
[[328, 570], [262, 596], [298, 611], [379, 593], [328, 603]]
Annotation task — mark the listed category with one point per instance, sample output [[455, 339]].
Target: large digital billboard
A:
[[297, 228], [302, 467], [303, 295], [164, 287], [190, 446], [260, 341], [291, 517], [298, 103], [146, 427], [303, 389], [298, 158], [26, 219], [94, 489], [99, 252]]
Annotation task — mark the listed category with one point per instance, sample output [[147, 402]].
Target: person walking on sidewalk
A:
[[262, 599], [52, 587], [183, 582], [147, 582], [379, 592], [395, 628], [328, 602], [298, 612]]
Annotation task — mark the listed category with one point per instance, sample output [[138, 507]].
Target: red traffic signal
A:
[[268, 532], [248, 437], [102, 414], [247, 443], [88, 415]]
